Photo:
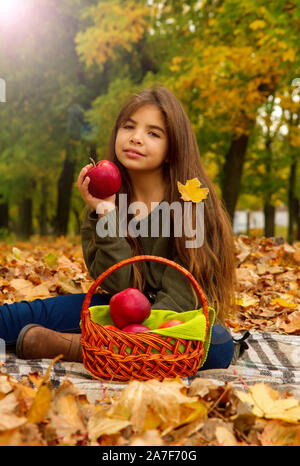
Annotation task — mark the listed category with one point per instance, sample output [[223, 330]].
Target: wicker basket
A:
[[121, 356]]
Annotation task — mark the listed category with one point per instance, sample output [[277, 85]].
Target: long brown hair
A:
[[212, 264]]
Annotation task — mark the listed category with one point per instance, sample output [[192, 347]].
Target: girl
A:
[[153, 145]]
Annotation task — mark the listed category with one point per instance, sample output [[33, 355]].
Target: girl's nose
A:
[[135, 139]]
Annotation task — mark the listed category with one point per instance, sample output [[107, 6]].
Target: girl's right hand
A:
[[101, 206]]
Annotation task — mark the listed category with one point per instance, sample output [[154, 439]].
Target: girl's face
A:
[[142, 142]]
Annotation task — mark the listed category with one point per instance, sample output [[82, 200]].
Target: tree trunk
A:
[[269, 208], [269, 211], [4, 215], [297, 205], [25, 218], [292, 201], [65, 184], [232, 173], [43, 210]]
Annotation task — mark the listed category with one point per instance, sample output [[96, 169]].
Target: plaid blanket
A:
[[271, 358]]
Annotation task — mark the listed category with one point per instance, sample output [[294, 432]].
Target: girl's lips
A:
[[133, 154]]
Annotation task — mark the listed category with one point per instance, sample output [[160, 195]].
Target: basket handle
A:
[[85, 312]]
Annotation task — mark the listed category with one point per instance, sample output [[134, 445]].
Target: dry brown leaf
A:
[[277, 433], [8, 419], [225, 437], [169, 405], [148, 438], [99, 424], [289, 323]]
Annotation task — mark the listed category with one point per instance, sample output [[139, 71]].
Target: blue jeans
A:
[[63, 313]]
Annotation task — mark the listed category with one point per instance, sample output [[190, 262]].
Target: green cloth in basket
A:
[[193, 327]]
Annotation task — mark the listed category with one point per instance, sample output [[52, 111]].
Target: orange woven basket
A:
[[122, 356]]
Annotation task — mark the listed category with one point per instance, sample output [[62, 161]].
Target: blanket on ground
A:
[[271, 358]]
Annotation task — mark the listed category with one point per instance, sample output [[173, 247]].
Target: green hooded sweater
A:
[[168, 287]]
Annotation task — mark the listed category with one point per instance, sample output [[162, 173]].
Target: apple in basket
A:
[[105, 179], [135, 328], [129, 306], [170, 323], [111, 327]]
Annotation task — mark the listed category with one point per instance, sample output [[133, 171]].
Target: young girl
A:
[[153, 145]]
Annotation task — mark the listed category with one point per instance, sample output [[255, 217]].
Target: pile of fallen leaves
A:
[[268, 294], [145, 413], [268, 273], [42, 268], [153, 413]]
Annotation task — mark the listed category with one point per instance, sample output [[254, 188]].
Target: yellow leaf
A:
[[266, 403], [170, 407], [42, 400], [99, 424], [191, 190], [40, 405], [245, 301], [283, 303], [258, 24]]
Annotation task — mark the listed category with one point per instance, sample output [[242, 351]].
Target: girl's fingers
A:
[[84, 187], [82, 174]]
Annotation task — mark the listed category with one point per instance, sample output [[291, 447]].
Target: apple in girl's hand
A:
[[129, 306], [135, 328], [170, 323], [105, 179]]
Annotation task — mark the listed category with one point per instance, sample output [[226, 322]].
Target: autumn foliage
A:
[[153, 412], [145, 413]]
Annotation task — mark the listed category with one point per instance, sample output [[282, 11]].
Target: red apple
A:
[[111, 327], [105, 179], [135, 328], [170, 323], [129, 306]]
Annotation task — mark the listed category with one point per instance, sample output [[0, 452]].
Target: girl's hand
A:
[[101, 206]]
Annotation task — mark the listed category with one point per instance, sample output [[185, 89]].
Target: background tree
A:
[[70, 64]]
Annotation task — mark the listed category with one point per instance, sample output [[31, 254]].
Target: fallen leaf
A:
[[225, 437], [8, 419], [169, 405], [5, 385], [42, 399], [246, 301], [66, 415], [148, 438], [99, 424], [290, 323], [284, 303], [246, 277], [266, 403], [277, 433]]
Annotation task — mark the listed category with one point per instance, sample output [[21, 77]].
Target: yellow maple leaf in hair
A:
[[191, 190]]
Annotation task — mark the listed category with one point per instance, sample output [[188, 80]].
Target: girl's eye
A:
[[128, 126], [154, 134]]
